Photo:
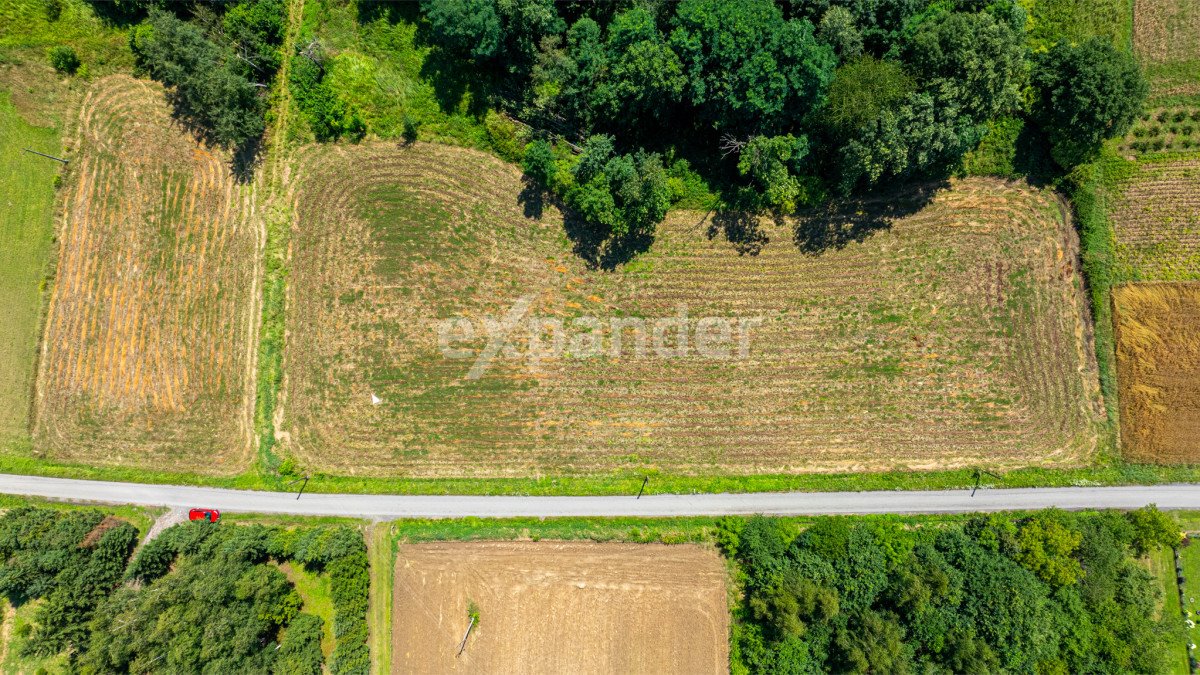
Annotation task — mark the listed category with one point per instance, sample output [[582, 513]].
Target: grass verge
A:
[[1117, 473], [26, 235], [1162, 565], [381, 550]]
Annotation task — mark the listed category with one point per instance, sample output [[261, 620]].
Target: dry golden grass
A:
[[144, 356], [956, 337], [1158, 367]]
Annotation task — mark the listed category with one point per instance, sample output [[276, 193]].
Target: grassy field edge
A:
[[627, 483]]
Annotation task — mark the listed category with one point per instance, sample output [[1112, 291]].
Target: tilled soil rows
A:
[[560, 607]]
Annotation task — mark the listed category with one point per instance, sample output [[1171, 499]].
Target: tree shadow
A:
[[116, 15], [741, 228], [1032, 158], [392, 11], [532, 198], [246, 160], [453, 81], [841, 223], [594, 245]]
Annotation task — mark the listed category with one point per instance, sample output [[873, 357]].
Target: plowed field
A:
[[955, 337], [144, 357], [552, 607]]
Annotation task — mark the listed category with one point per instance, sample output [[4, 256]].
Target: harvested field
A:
[[955, 337], [558, 607], [145, 353], [1166, 37], [1158, 366], [1156, 219]]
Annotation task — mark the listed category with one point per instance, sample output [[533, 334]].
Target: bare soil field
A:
[[1157, 221], [1158, 367], [144, 358], [560, 607], [953, 337]]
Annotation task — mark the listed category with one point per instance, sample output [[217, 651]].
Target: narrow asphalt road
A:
[[389, 507]]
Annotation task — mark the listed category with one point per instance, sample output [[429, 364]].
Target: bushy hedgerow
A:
[[71, 560], [328, 115], [1051, 592]]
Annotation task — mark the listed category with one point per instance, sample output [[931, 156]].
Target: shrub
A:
[[328, 115], [300, 651], [64, 59], [504, 137]]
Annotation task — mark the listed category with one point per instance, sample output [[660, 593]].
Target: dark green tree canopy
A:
[[1086, 94], [749, 69]]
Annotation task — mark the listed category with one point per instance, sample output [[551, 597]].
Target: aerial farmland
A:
[[392, 322]]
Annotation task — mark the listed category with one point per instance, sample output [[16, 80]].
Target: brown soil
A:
[[1158, 367], [556, 607]]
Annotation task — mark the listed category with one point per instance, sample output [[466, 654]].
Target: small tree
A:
[[539, 162], [64, 59], [1151, 528], [1085, 95]]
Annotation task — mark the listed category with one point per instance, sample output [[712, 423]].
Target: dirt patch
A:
[[93, 537], [551, 607], [1158, 366], [952, 336], [143, 358]]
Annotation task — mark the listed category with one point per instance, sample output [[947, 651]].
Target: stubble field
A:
[[954, 338], [1166, 37], [1158, 364], [560, 607], [144, 360], [1156, 219]]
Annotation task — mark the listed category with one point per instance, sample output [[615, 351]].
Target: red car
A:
[[211, 515]]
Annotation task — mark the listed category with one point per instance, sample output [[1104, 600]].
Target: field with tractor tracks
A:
[[954, 335], [566, 607], [145, 355]]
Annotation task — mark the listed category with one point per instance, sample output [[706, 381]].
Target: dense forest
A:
[[199, 597], [1053, 592], [619, 107]]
